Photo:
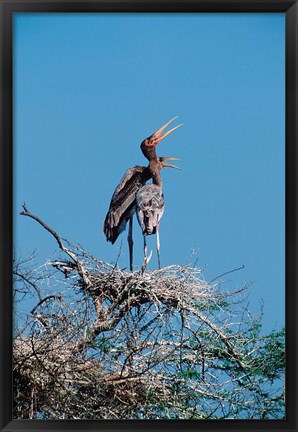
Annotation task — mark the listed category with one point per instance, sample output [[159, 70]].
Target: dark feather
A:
[[122, 204]]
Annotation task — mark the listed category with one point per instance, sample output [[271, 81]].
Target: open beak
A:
[[157, 137], [162, 159]]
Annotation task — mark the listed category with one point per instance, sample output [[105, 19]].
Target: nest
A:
[[103, 343], [173, 286]]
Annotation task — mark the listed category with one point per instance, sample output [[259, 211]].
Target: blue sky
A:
[[88, 88]]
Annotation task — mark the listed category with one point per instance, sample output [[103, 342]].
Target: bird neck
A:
[[156, 179], [155, 168]]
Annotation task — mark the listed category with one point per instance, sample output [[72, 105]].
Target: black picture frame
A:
[[7, 9]]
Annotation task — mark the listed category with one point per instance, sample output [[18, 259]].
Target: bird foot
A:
[[146, 261]]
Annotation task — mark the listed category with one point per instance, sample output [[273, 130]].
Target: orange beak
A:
[[157, 137], [160, 137]]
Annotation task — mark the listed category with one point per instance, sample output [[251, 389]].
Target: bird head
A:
[[149, 144], [158, 163], [163, 165]]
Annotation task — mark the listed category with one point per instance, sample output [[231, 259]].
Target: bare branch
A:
[[165, 344], [81, 270], [228, 272]]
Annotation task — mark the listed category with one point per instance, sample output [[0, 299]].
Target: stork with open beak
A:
[[122, 206], [150, 206]]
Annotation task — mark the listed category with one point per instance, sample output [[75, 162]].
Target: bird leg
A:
[[158, 245], [130, 244], [145, 246], [146, 259]]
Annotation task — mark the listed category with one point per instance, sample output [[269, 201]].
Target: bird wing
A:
[[122, 204], [149, 207]]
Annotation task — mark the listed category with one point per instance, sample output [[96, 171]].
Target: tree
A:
[[103, 343]]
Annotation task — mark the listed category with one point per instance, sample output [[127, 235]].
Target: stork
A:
[[122, 205], [150, 207]]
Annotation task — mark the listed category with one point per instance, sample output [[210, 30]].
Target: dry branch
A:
[[78, 264], [105, 343]]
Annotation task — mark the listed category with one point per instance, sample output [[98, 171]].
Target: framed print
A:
[[148, 215]]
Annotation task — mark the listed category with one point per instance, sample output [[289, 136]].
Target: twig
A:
[[53, 296], [27, 280], [82, 272], [228, 272]]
